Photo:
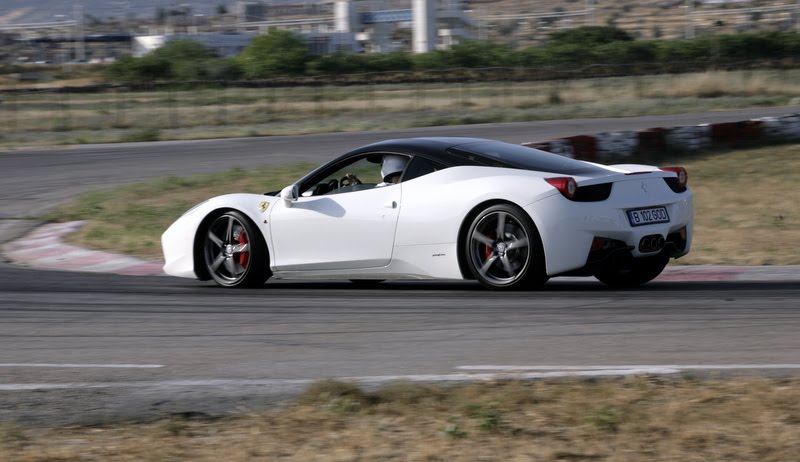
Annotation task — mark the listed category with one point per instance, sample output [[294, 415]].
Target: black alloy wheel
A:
[[504, 250], [234, 251]]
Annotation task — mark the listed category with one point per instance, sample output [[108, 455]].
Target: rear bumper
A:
[[568, 228]]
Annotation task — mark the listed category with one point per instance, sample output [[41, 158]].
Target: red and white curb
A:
[[628, 145], [44, 248]]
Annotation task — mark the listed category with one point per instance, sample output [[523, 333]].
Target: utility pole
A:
[[80, 40], [689, 24]]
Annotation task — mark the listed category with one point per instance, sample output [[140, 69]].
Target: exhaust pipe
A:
[[651, 243]]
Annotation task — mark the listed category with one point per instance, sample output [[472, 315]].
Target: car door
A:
[[336, 230]]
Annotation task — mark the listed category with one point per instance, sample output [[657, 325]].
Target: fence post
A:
[[172, 107], [120, 116], [319, 96], [269, 100], [222, 113], [63, 123], [12, 101]]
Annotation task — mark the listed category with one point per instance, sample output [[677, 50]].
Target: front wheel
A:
[[503, 249], [640, 271], [234, 252]]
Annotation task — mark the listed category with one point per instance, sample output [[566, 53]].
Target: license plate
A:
[[648, 216]]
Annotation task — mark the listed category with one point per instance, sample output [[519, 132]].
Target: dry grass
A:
[[634, 419], [57, 118], [746, 207]]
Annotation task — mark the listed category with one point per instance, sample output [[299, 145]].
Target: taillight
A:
[[683, 177], [566, 186]]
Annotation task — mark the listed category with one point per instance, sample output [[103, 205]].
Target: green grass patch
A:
[[140, 135], [745, 206]]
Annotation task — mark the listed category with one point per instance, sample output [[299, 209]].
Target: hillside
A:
[[508, 20]]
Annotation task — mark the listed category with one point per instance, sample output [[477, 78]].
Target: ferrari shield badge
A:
[[262, 207]]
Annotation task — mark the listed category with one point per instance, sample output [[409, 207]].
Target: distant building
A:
[[434, 24], [332, 26], [250, 11], [229, 44], [326, 43]]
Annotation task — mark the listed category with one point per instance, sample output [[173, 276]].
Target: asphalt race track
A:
[[182, 346], [79, 347]]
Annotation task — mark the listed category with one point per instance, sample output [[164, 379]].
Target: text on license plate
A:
[[648, 216]]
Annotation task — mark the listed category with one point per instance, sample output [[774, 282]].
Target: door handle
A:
[[391, 205]]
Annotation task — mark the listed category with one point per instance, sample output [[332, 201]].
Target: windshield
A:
[[517, 156]]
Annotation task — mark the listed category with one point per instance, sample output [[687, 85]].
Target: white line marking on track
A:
[[85, 366], [513, 368]]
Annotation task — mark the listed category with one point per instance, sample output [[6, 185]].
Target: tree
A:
[[184, 50], [222, 9], [277, 53], [179, 59], [589, 36]]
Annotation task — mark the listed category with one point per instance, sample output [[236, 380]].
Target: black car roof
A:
[[429, 145], [454, 150]]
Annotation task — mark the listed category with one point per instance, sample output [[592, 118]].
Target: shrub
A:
[[626, 52], [589, 36], [277, 53], [570, 54], [180, 60], [473, 53]]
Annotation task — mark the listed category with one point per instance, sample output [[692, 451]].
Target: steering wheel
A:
[[349, 180], [331, 185]]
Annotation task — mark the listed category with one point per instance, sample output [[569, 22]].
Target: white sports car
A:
[[505, 215]]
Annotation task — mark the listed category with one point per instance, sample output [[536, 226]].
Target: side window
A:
[[357, 175], [420, 166]]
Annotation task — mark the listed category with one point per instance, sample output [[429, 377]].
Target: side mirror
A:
[[290, 194]]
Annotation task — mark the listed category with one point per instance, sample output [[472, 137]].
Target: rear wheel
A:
[[640, 271], [503, 249], [235, 254]]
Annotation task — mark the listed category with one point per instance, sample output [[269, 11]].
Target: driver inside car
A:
[[392, 169]]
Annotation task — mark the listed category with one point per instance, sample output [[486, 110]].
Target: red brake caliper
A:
[[243, 256], [488, 251]]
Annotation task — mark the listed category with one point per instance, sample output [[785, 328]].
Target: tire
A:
[[503, 249], [234, 252], [640, 271]]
